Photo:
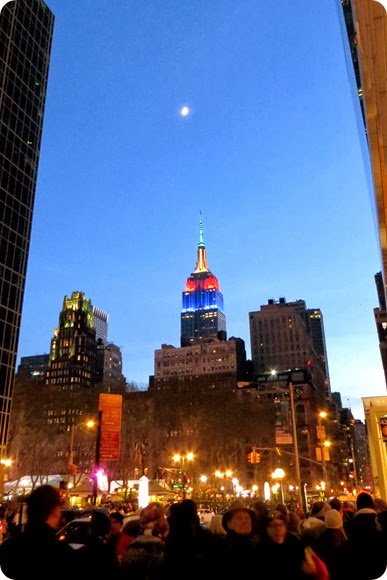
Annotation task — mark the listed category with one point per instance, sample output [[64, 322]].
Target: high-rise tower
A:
[[25, 43], [287, 335], [202, 312], [74, 347]]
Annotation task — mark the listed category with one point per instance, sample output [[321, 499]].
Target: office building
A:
[[109, 366], [26, 28], [73, 350], [100, 322], [286, 335], [34, 366], [210, 363], [202, 312]]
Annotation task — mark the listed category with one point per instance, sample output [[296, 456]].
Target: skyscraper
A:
[[26, 28], [202, 312], [74, 347], [100, 321], [287, 335]]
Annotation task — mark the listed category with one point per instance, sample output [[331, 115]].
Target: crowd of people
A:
[[332, 541]]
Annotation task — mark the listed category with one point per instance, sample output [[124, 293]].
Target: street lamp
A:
[[323, 443], [177, 458], [279, 474]]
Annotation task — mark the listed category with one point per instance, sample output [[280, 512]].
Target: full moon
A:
[[184, 111]]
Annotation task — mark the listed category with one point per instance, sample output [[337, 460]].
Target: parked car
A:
[[75, 533]]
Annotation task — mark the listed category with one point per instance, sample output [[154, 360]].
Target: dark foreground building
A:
[[26, 28]]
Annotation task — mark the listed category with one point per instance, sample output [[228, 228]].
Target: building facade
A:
[[202, 311], [34, 366], [109, 366], [380, 314], [100, 323], [287, 335], [26, 28]]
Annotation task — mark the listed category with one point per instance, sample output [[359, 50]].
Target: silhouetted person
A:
[[37, 553]]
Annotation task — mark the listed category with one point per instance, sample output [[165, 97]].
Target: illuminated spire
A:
[[201, 264]]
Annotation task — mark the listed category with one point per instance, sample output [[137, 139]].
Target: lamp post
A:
[[177, 458], [323, 444], [279, 474], [70, 460], [97, 459], [288, 377]]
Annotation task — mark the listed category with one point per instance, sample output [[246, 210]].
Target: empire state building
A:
[[202, 311]]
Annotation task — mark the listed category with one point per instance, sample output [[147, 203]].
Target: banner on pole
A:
[[111, 409]]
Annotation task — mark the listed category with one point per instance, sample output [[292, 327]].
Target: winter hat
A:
[[364, 500], [227, 516], [333, 519], [275, 514], [319, 509], [151, 515]]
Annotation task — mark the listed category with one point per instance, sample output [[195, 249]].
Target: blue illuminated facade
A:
[[202, 311]]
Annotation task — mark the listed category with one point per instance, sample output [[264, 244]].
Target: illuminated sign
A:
[[3, 3], [111, 408]]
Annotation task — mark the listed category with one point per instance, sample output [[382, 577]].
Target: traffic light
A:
[[249, 457], [255, 457], [73, 470]]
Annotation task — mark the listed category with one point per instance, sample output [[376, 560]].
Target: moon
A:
[[185, 111], [3, 3]]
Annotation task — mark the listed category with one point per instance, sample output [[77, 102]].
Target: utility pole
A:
[[97, 459], [295, 443]]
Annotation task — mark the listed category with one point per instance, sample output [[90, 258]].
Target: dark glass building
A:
[[202, 313], [26, 28]]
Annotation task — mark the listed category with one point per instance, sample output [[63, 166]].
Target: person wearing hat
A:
[[144, 558], [366, 552], [312, 526], [331, 545], [235, 554]]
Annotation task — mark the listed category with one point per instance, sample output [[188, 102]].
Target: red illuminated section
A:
[[209, 283], [190, 285]]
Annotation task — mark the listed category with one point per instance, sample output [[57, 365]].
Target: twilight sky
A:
[[271, 154]]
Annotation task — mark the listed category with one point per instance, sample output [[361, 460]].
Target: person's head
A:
[[116, 521], [44, 507], [260, 508], [380, 505], [364, 500], [152, 519], [333, 519], [275, 526], [238, 520], [100, 525], [335, 504], [319, 509]]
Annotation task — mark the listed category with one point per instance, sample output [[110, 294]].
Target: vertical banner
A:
[[283, 434], [111, 408]]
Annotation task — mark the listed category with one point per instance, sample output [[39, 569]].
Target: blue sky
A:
[[270, 154]]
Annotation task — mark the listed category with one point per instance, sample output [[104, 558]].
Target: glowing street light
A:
[[89, 424], [279, 474], [203, 478]]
